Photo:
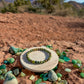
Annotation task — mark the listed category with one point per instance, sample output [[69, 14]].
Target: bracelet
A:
[[38, 62]]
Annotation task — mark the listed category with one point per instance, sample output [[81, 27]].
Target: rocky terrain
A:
[[28, 30]]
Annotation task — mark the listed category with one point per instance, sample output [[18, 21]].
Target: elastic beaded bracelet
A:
[[38, 62]]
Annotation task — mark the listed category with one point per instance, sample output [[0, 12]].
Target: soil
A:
[[30, 30]]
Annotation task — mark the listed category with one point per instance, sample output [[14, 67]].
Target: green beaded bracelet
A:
[[38, 62]]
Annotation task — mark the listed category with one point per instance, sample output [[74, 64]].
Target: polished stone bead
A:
[[67, 70], [3, 66], [82, 75], [11, 60], [59, 75], [74, 61], [38, 81], [22, 74], [61, 60]]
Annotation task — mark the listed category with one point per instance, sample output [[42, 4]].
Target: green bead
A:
[[4, 71], [38, 81], [67, 50], [22, 74], [3, 66], [74, 61], [1, 77], [45, 78], [77, 65], [82, 75], [66, 59], [59, 75], [0, 72], [61, 60], [67, 70], [11, 60]]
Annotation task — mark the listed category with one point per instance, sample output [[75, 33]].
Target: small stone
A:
[[38, 81], [0, 72], [77, 65], [32, 77], [62, 82], [22, 74], [8, 73], [16, 71], [11, 60], [52, 76], [67, 70], [5, 62], [59, 79], [82, 75], [4, 71], [74, 61], [61, 60], [66, 59], [1, 77], [10, 79], [3, 66], [59, 75]]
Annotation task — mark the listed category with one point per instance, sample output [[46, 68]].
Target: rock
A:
[[16, 71], [61, 60], [10, 79], [59, 75], [32, 77], [22, 74], [62, 82], [38, 81], [77, 65], [3, 66], [13, 50], [4, 71], [66, 59], [67, 70], [0, 71], [1, 77], [74, 61], [82, 75], [59, 79], [6, 62], [52, 76], [11, 60]]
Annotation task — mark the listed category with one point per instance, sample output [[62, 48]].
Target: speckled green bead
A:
[[59, 75], [11, 60], [61, 60], [82, 75], [74, 61]]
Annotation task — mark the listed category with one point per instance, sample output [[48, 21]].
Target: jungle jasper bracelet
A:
[[38, 62]]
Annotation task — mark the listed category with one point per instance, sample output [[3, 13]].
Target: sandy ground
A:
[[28, 30]]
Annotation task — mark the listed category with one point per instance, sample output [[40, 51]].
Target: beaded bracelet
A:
[[38, 62]]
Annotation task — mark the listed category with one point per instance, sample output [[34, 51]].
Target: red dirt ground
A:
[[28, 30]]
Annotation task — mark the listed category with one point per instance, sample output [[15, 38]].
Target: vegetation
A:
[[54, 7]]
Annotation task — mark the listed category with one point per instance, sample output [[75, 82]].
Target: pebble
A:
[[0, 71], [66, 59], [52, 76], [74, 61], [11, 60], [5, 62], [82, 75], [3, 66], [32, 77], [10, 79], [59, 75], [22, 74], [38, 81], [61, 60], [67, 70]]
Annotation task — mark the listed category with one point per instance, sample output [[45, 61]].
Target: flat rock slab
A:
[[39, 56]]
